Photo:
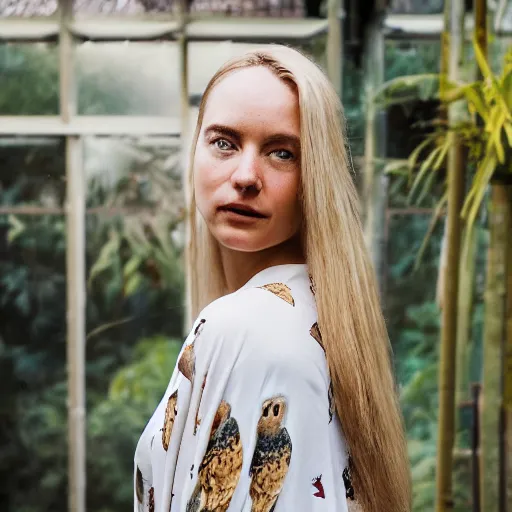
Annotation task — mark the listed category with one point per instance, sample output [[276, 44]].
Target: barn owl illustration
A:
[[352, 503], [271, 458], [170, 415], [187, 362], [139, 491], [197, 422], [199, 328], [151, 506], [221, 466], [312, 285], [315, 332], [330, 397], [281, 290]]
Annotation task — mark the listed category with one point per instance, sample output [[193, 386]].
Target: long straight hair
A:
[[349, 312]]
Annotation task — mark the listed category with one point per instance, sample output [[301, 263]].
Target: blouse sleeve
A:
[[252, 417]]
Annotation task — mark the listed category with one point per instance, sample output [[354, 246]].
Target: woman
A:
[[283, 396]]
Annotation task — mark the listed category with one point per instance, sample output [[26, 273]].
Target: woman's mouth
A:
[[243, 210]]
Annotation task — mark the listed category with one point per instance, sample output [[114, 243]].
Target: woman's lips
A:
[[242, 210]]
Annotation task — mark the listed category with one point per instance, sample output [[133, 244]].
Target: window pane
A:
[[123, 7], [33, 421], [134, 333], [265, 8], [270, 8], [417, 6], [27, 7], [411, 57], [134, 173], [32, 172], [29, 79], [111, 82]]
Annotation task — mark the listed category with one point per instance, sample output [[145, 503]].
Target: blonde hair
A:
[[349, 312]]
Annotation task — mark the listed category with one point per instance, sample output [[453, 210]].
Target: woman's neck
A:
[[240, 266]]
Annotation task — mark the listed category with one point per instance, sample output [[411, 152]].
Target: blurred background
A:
[[97, 101]]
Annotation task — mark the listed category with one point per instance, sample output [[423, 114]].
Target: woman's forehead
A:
[[253, 96]]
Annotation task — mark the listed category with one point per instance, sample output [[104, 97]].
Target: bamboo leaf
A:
[[508, 132], [398, 166], [482, 178], [433, 223], [104, 260], [410, 88], [481, 60], [424, 168], [476, 101], [132, 284], [16, 228], [493, 128], [132, 265], [416, 153], [489, 77]]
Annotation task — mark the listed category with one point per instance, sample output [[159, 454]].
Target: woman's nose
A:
[[247, 173]]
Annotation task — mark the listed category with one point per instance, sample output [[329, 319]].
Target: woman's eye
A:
[[222, 144], [283, 154]]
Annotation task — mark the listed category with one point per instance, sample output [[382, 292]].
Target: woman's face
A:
[[247, 161]]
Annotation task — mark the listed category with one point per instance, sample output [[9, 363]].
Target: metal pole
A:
[[75, 271], [334, 43]]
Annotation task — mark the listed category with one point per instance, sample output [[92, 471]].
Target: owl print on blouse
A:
[[187, 362], [197, 421], [170, 415], [221, 466], [280, 290], [271, 458], [151, 501], [352, 503], [140, 493], [317, 335], [312, 286], [317, 484], [330, 398]]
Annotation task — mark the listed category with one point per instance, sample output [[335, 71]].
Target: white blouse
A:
[[247, 423]]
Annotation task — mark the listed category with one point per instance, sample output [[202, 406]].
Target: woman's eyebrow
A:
[[284, 138], [223, 130]]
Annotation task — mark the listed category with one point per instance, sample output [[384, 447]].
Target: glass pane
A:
[[264, 8], [271, 8], [411, 57], [110, 81], [123, 7], [29, 79], [417, 6], [32, 172], [130, 174], [33, 421], [413, 322], [28, 7], [134, 333]]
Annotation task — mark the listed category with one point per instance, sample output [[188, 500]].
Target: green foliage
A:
[[116, 422], [487, 101]]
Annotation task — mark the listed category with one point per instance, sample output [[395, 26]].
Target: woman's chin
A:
[[242, 242], [241, 245]]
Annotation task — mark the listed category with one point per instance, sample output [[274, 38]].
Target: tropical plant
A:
[[486, 130]]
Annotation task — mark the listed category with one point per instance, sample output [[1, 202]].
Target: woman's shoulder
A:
[[276, 320]]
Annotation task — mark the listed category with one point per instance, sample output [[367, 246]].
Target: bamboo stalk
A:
[[493, 350], [375, 183], [507, 364], [450, 277]]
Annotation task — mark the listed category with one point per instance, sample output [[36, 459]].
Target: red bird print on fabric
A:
[[317, 484]]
